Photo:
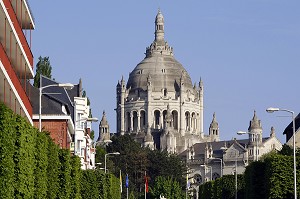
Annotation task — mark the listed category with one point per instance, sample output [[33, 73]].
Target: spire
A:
[[272, 133], [214, 129], [254, 123], [159, 26], [214, 124], [104, 133], [159, 46], [122, 80], [103, 121], [80, 88]]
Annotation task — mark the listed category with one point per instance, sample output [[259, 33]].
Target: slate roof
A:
[[288, 131], [199, 148], [53, 98], [289, 128]]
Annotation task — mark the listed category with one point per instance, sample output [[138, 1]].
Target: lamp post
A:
[[271, 110], [115, 153], [66, 86], [256, 141], [106, 142], [236, 174], [236, 182]]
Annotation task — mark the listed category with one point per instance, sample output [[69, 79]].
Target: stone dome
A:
[[159, 65], [165, 73]]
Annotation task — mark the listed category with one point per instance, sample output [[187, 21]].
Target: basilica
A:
[[162, 109], [159, 105]]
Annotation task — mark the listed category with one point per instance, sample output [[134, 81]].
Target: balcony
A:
[[19, 33], [16, 83]]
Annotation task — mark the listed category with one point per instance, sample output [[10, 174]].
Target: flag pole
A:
[[127, 192], [127, 185], [145, 185], [121, 184]]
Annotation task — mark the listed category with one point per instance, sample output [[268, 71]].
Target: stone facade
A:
[[159, 105], [210, 160]]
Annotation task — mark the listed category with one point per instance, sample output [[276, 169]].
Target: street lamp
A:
[[256, 141], [91, 119], [106, 142], [221, 161], [235, 174], [271, 110], [236, 182], [115, 153], [67, 86]]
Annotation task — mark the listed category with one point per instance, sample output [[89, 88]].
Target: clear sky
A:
[[246, 52]]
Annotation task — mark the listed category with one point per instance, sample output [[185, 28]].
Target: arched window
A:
[[128, 122], [164, 117], [194, 121], [156, 118], [143, 119], [135, 121], [175, 119], [187, 120]]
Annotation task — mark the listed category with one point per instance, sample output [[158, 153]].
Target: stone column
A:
[[161, 120], [138, 121], [122, 117], [131, 121]]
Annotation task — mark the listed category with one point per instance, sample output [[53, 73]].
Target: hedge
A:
[[33, 166]]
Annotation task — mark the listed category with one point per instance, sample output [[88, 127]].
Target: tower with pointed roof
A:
[[104, 133], [159, 92], [214, 129], [255, 130]]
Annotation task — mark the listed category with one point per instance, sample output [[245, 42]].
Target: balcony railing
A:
[[15, 80], [19, 31]]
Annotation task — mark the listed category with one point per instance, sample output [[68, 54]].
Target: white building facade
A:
[[158, 88], [83, 144]]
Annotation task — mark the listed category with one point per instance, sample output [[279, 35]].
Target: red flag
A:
[[146, 183]]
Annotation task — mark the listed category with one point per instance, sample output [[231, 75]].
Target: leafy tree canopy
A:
[[43, 67], [135, 160]]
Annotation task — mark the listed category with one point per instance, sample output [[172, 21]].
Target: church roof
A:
[[214, 123], [103, 121], [199, 148], [165, 71]]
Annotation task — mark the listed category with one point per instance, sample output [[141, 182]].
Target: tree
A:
[[167, 187], [43, 67], [286, 150], [164, 164], [134, 160]]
